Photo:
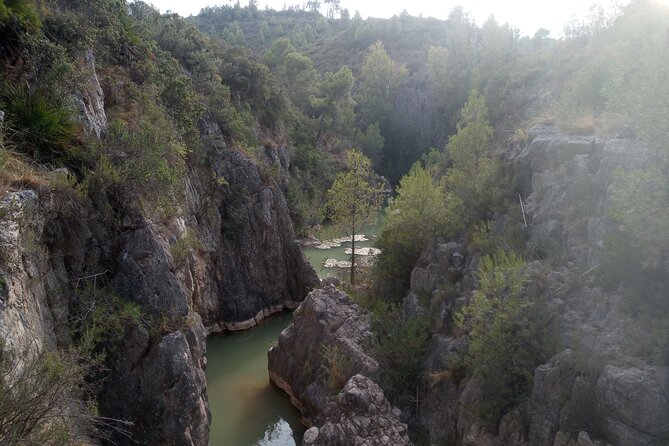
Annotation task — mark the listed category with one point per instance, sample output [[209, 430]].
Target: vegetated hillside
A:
[[142, 176], [144, 164], [521, 292], [417, 108]]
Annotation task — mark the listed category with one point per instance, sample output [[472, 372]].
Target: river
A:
[[317, 257], [246, 410]]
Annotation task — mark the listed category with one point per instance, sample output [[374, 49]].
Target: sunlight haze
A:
[[526, 15]]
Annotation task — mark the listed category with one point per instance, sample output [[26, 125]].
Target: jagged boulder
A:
[[632, 405], [327, 317], [356, 414], [359, 415]]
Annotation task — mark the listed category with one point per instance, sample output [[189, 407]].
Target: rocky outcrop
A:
[[90, 99], [565, 180], [225, 259], [593, 392], [358, 413], [248, 238]]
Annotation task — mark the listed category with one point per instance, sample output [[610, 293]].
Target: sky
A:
[[526, 15]]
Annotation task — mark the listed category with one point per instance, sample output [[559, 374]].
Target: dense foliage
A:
[[433, 105]]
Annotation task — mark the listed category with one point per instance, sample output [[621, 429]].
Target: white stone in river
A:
[[336, 243], [334, 263], [363, 251]]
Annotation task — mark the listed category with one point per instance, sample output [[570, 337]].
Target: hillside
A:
[[156, 173]]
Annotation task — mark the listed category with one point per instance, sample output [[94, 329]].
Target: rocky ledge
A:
[[354, 413]]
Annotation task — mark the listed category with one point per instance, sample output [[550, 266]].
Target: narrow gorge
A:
[[254, 227]]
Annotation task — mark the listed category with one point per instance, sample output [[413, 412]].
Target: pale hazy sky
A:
[[526, 15]]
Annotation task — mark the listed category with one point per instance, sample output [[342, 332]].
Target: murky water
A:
[[317, 257], [246, 409]]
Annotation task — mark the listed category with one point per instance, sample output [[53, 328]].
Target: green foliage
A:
[[22, 12], [473, 177], [337, 367], [184, 107], [37, 125], [277, 53], [380, 79], [507, 334], [38, 399], [399, 345], [371, 142], [183, 248], [353, 201], [300, 78], [101, 319], [420, 212], [147, 152], [334, 101]]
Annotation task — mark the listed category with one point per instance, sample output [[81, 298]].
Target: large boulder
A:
[[359, 415], [327, 317], [632, 405], [354, 412]]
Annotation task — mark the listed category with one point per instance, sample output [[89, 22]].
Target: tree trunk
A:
[[353, 251]]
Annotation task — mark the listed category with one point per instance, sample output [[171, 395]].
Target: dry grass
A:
[[579, 121], [19, 172]]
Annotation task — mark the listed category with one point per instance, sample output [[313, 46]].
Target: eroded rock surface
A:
[[359, 415], [356, 414], [226, 259], [593, 391]]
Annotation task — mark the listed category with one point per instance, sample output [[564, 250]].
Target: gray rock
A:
[[327, 317], [248, 238], [632, 405], [90, 100], [545, 405], [359, 415]]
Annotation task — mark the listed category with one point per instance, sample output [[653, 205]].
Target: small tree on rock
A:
[[353, 200]]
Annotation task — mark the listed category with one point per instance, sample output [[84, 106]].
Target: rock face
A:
[[225, 261], [358, 413], [252, 265], [590, 393], [91, 99]]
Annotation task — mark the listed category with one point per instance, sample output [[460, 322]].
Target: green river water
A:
[[246, 409]]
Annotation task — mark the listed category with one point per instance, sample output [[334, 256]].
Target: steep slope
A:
[[58, 250], [598, 388]]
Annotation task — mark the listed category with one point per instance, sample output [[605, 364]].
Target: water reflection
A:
[[246, 409]]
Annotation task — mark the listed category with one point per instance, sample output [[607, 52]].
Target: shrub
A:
[[147, 152], [337, 367], [506, 331], [37, 125], [399, 345], [100, 319], [38, 399], [183, 248]]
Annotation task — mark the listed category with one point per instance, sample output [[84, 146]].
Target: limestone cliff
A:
[[593, 391], [351, 409], [226, 258]]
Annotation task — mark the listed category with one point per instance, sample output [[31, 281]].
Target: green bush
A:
[[39, 126], [100, 319], [337, 367], [148, 152], [24, 12], [399, 345], [507, 335], [421, 211], [38, 399]]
